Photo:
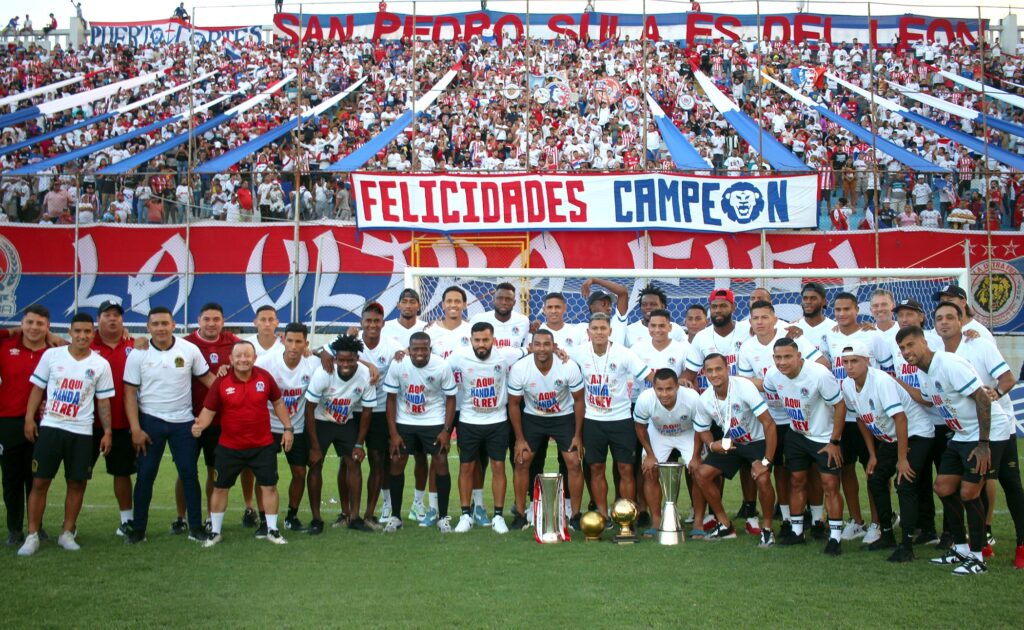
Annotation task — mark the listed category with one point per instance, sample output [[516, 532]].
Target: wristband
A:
[[999, 393], [357, 446], [982, 441], [835, 442], [289, 430]]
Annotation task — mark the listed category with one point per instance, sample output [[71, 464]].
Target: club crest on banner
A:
[[10, 276]]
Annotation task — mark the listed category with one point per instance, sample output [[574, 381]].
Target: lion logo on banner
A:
[[742, 202], [998, 291]]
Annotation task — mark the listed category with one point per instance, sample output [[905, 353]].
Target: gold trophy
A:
[[625, 512], [592, 524]]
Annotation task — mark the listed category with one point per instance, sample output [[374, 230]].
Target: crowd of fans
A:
[[539, 106]]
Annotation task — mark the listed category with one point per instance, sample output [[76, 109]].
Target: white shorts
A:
[[663, 445]]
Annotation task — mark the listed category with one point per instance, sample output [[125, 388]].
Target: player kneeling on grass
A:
[[240, 399], [898, 433], [664, 419], [72, 377], [748, 437]]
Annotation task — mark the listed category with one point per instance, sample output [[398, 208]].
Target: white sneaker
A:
[[67, 541], [212, 540], [417, 512], [30, 547], [275, 537], [873, 533], [465, 524], [499, 525], [852, 531], [445, 525], [392, 525]]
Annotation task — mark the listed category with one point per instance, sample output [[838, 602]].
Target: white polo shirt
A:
[[420, 392], [164, 379], [72, 386], [545, 395]]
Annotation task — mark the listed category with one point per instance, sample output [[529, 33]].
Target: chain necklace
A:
[[723, 413]]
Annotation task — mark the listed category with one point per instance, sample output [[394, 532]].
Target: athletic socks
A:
[[976, 513], [263, 516], [432, 499], [478, 497], [385, 496], [216, 521], [953, 516], [126, 515], [417, 496], [271, 522], [797, 524], [466, 510], [397, 485], [816, 513], [835, 529], [292, 512], [749, 509], [785, 515], [498, 511], [444, 491]]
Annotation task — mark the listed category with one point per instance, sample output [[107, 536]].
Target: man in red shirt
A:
[[19, 356], [215, 346], [114, 345], [240, 397]]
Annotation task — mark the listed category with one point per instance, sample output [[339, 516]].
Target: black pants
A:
[[16, 467], [1008, 473], [908, 492], [926, 500]]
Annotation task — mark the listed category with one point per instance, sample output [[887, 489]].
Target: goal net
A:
[[684, 287]]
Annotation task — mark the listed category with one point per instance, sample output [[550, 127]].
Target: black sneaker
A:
[[43, 536], [927, 537], [123, 528], [742, 512], [819, 531], [904, 553], [250, 518], [591, 507], [135, 537], [766, 539], [791, 539], [198, 534], [786, 529], [15, 539], [519, 522], [833, 547], [971, 566], [179, 527], [945, 542], [721, 532], [261, 531], [316, 527], [643, 520], [886, 541], [574, 522], [952, 556], [359, 525], [341, 521], [292, 523]]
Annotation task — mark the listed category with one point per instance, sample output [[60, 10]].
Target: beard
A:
[[482, 353], [721, 320], [811, 312]]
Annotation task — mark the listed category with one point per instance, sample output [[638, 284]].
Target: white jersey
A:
[[569, 336], [814, 333], [164, 379], [879, 400], [708, 341], [607, 379], [292, 383], [545, 395], [444, 342], [667, 422], [908, 373], [483, 383], [672, 357], [833, 342], [381, 357], [736, 414], [637, 333], [978, 327], [420, 392], [275, 348], [757, 359], [949, 384], [337, 400], [394, 331], [808, 399], [72, 387], [989, 363], [510, 334]]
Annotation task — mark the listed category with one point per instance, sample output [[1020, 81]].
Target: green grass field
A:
[[419, 577]]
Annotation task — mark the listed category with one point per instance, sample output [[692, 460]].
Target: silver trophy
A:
[[670, 475], [549, 524]]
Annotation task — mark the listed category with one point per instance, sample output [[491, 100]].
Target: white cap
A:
[[855, 349]]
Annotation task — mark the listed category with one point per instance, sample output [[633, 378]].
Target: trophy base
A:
[[625, 540], [669, 537]]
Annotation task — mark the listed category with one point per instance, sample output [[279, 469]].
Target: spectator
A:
[[908, 218], [930, 217]]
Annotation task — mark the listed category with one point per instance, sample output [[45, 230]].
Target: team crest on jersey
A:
[[938, 386], [612, 366], [464, 341], [359, 391], [179, 362], [214, 357], [735, 408], [261, 386], [430, 379], [515, 330], [559, 382], [497, 369], [671, 360], [804, 391], [871, 403], [382, 360], [90, 373], [127, 351], [305, 379]]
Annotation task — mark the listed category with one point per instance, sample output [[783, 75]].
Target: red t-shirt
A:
[[216, 353], [116, 357], [16, 366], [242, 407]]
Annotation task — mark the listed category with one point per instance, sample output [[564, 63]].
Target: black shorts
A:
[[299, 455], [419, 439], [54, 446], [377, 438], [802, 453], [207, 442], [231, 462], [600, 435], [955, 460], [853, 446], [730, 463], [537, 430], [488, 438], [120, 461], [782, 432], [341, 436]]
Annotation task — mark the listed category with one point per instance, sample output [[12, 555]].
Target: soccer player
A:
[[78, 386], [114, 345], [567, 336], [845, 309], [452, 331], [814, 322], [696, 320], [898, 434], [600, 301], [651, 299], [952, 385], [607, 370], [957, 295], [551, 394], [748, 436], [329, 422], [421, 413], [266, 340], [158, 403], [882, 304], [241, 397], [292, 371], [811, 396], [998, 380], [511, 327], [482, 374], [215, 346], [760, 294], [19, 356], [664, 418]]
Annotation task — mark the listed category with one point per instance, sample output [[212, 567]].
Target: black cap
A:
[[109, 304], [910, 303], [409, 293], [598, 295], [951, 289], [814, 286]]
